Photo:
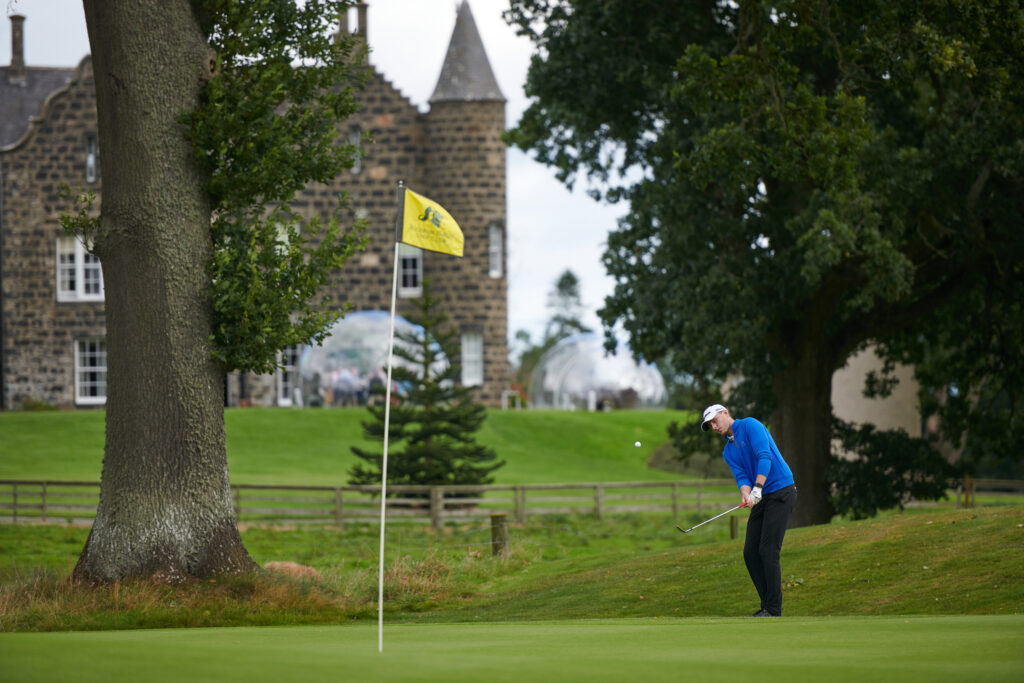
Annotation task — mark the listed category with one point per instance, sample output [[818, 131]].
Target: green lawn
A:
[[856, 649], [282, 446], [925, 561]]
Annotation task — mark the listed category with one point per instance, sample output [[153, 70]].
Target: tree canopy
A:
[[566, 308], [265, 127], [804, 178]]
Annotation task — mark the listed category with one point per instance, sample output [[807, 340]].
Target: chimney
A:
[[359, 31], [17, 72]]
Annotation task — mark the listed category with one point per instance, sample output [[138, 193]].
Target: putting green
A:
[[905, 649]]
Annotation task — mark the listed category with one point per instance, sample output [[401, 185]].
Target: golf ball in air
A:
[[637, 444]]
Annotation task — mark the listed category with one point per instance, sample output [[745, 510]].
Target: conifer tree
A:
[[435, 418]]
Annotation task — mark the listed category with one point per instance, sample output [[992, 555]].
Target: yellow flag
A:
[[426, 224]]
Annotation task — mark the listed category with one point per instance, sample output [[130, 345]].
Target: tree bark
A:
[[801, 426], [165, 501]]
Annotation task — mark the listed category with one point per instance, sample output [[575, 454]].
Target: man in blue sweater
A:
[[766, 484]]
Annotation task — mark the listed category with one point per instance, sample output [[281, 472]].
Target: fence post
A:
[[499, 535], [734, 527], [14, 496], [44, 502], [437, 507], [700, 488], [521, 505], [338, 514], [599, 501], [675, 503]]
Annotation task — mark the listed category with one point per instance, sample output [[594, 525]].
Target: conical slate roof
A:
[[466, 74]]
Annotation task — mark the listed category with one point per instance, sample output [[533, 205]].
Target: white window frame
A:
[[472, 359], [287, 374], [79, 273], [92, 157], [410, 271], [90, 359], [495, 251], [355, 138]]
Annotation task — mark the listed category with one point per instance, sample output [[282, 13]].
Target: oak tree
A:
[[212, 114], [804, 178]]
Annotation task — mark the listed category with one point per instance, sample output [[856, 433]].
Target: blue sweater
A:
[[752, 451]]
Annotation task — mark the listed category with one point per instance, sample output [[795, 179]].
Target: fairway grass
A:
[[311, 446], [812, 649]]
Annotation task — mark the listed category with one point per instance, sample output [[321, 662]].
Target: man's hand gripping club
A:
[[751, 497]]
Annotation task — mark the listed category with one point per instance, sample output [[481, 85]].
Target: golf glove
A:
[[755, 496]]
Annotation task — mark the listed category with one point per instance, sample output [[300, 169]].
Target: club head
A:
[[682, 529]]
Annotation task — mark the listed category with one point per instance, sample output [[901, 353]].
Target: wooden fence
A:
[[75, 502]]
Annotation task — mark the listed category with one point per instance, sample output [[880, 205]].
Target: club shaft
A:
[[721, 514]]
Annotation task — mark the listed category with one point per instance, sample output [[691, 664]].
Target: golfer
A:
[[763, 477]]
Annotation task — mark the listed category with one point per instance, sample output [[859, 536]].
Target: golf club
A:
[[686, 531]]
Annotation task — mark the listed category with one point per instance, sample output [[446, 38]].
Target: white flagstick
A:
[[387, 428], [384, 464]]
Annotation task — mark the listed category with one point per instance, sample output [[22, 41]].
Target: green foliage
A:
[[266, 275], [265, 128], [564, 300], [566, 306], [968, 367], [803, 178], [436, 418], [886, 469], [85, 223]]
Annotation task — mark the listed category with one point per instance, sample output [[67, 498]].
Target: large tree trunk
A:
[[165, 502], [801, 427]]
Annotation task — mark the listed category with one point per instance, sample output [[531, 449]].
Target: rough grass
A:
[[928, 561]]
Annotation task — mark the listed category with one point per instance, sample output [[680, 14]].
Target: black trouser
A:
[[765, 530]]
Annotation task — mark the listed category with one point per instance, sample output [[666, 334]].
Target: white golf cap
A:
[[710, 413]]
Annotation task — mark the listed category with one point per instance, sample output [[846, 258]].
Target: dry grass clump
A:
[[45, 601], [287, 593]]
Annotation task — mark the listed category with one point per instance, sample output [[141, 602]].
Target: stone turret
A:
[[465, 170], [466, 75]]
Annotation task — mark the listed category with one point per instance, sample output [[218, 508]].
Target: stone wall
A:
[[452, 154], [38, 332]]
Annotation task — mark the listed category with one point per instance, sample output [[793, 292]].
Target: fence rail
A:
[[75, 502]]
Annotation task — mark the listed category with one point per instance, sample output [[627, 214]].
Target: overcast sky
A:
[[549, 228]]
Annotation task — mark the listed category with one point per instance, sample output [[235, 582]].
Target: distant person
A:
[[762, 477]]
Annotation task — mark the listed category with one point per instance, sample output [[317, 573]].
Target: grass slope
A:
[[976, 648], [921, 562], [938, 561], [279, 446]]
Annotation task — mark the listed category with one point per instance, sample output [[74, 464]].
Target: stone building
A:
[[52, 324]]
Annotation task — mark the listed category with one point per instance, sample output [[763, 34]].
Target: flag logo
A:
[[427, 225]]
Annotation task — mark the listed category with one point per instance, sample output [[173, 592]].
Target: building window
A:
[[79, 274], [288, 374], [355, 138], [472, 359], [90, 372], [495, 251], [92, 158], [410, 271]]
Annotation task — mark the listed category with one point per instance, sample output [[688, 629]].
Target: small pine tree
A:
[[435, 419]]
